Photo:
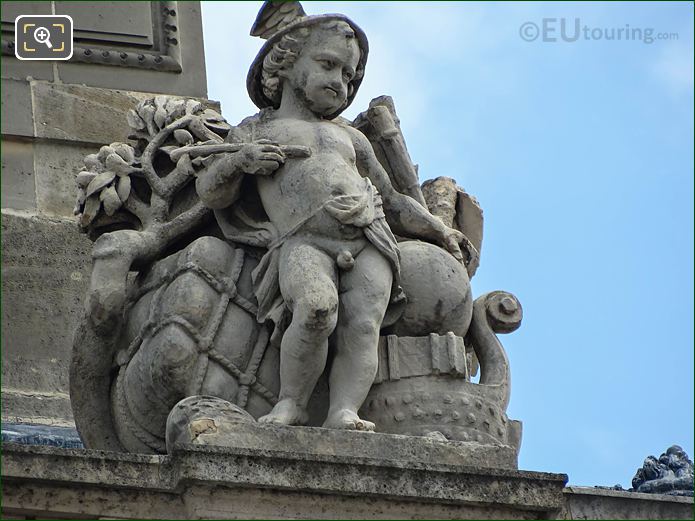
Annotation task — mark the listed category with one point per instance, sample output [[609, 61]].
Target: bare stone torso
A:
[[301, 186]]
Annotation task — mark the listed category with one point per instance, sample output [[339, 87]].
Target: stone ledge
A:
[[220, 482], [318, 443], [211, 474], [597, 503]]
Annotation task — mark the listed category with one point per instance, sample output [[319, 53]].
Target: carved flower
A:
[[153, 114], [105, 182]]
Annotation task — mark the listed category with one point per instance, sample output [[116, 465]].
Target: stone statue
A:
[[332, 247], [236, 264], [671, 474]]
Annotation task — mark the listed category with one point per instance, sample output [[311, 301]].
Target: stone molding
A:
[[598, 503], [201, 480], [166, 58], [245, 482]]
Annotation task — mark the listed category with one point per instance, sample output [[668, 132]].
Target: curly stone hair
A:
[[284, 53]]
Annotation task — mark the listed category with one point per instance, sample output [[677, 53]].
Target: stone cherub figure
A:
[[332, 263], [233, 266]]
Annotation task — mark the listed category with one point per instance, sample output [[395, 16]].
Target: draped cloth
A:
[[363, 210]]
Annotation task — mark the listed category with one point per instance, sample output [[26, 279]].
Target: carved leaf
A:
[[160, 117], [99, 182], [147, 114], [92, 163], [193, 106], [79, 203], [212, 115], [91, 208], [215, 122], [175, 109], [115, 163], [183, 137], [125, 151], [123, 188], [161, 112], [110, 199], [84, 178], [184, 164], [160, 102], [135, 121], [104, 152]]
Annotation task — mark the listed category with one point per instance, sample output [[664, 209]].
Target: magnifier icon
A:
[[42, 35]]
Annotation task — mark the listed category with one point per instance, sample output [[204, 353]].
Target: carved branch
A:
[[198, 128], [184, 222], [157, 183], [117, 253], [138, 208], [177, 178]]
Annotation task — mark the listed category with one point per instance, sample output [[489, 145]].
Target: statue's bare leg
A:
[[308, 285], [364, 295]]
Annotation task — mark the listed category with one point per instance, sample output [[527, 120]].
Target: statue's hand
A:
[[453, 240], [450, 240], [260, 158]]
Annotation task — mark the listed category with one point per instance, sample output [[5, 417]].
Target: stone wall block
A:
[[16, 108], [56, 165], [79, 113], [46, 271], [18, 184]]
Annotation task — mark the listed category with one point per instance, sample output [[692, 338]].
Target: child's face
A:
[[325, 67]]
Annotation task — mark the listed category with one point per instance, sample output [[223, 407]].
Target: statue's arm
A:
[[218, 185], [406, 216]]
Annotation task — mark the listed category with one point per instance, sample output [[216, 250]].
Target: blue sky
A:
[[581, 155]]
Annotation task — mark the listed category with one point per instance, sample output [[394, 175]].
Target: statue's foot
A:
[[286, 412], [347, 419]]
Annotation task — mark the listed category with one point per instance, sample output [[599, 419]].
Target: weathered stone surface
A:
[[246, 482], [11, 10], [382, 127], [438, 292], [14, 69], [81, 113], [277, 439], [18, 180], [215, 482], [45, 274], [16, 108], [28, 405], [56, 164], [456, 208], [68, 112], [594, 503]]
